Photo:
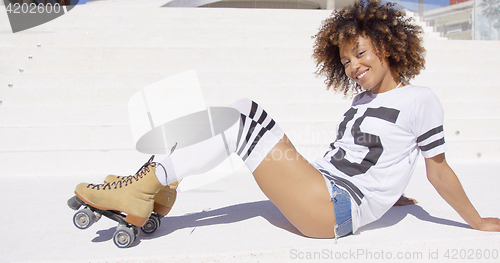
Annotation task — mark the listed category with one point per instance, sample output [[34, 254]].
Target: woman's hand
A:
[[403, 200], [489, 224]]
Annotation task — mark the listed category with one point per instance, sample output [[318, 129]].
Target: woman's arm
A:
[[448, 186]]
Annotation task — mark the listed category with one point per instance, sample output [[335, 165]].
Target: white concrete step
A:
[[39, 116], [459, 79], [154, 65], [299, 60], [61, 138], [482, 53], [266, 87], [106, 80], [465, 45], [457, 130], [168, 40], [70, 163], [119, 52]]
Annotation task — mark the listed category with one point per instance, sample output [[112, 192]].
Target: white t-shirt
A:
[[378, 141]]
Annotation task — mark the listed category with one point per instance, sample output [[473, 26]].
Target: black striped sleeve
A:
[[428, 134], [431, 139]]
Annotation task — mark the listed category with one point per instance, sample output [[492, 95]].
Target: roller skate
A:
[[163, 202], [128, 202]]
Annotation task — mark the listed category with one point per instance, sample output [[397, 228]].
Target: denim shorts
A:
[[342, 208]]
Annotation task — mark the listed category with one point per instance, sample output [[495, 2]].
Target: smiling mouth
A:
[[361, 75]]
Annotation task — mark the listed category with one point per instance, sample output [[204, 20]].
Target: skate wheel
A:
[[74, 203], [136, 231], [84, 218], [159, 219], [97, 216], [124, 237], [151, 225]]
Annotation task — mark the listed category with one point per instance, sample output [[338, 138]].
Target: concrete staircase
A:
[[65, 85]]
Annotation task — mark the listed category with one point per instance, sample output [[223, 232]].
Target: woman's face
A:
[[364, 67]]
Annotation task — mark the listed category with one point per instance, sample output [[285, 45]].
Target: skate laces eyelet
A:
[[125, 180]]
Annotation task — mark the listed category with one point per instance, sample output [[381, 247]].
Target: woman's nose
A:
[[354, 66]]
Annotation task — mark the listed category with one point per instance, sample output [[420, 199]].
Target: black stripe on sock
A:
[[240, 132], [254, 143], [253, 110], [263, 117], [270, 125], [247, 138]]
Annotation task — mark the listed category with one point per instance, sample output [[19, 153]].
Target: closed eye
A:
[[360, 54]]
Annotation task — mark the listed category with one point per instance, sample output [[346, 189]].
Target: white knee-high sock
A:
[[255, 112], [251, 138]]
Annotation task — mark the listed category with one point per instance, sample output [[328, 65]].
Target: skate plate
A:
[[125, 233]]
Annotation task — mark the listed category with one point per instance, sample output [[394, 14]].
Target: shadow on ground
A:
[[397, 213], [267, 210], [230, 214]]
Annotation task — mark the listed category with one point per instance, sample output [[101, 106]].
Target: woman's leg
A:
[[289, 181], [293, 184], [297, 189]]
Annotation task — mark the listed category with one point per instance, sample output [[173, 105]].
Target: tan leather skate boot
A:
[[132, 196], [163, 200]]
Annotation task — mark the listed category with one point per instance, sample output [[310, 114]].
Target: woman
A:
[[369, 48]]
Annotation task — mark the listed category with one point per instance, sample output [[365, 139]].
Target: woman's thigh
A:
[[297, 189]]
